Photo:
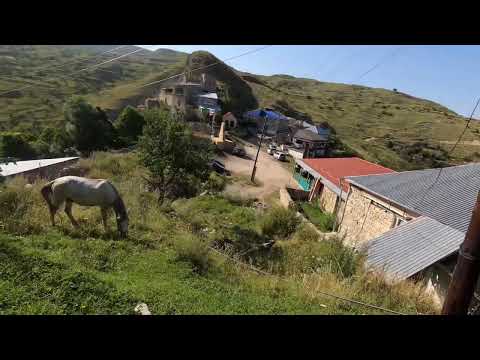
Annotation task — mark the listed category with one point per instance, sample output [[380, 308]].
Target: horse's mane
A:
[[118, 204]]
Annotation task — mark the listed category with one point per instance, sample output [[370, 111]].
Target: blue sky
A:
[[445, 74]]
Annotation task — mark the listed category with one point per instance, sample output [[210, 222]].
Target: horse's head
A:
[[122, 226]]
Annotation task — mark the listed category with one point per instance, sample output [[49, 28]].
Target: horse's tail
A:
[[47, 192]]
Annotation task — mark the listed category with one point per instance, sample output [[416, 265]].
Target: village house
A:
[[276, 126], [411, 224], [323, 178], [230, 120], [182, 94], [33, 169], [308, 144]]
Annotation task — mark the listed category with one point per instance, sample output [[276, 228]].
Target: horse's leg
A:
[[68, 211], [53, 210], [105, 218]]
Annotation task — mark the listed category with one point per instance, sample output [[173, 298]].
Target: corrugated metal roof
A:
[[23, 166], [412, 247], [450, 201], [210, 96], [307, 134]]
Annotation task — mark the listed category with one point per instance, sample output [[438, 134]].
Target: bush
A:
[[16, 145], [194, 251], [215, 182], [130, 124], [323, 221], [22, 210], [279, 223]]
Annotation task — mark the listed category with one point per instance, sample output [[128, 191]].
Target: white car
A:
[[271, 149], [279, 156]]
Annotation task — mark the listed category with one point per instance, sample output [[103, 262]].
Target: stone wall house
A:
[[324, 179], [411, 224]]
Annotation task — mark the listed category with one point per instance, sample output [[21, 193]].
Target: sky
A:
[[448, 75]]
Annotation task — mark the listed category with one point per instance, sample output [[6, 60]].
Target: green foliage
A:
[[16, 145], [215, 182], [279, 222], [171, 154], [195, 251], [323, 221], [61, 270], [88, 128], [130, 124]]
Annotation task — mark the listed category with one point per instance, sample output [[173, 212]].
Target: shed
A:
[[44, 168]]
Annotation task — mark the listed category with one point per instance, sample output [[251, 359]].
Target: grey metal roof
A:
[[23, 166], [450, 201], [306, 134], [209, 96], [412, 247]]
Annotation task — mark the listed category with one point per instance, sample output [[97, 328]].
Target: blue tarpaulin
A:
[[271, 115]]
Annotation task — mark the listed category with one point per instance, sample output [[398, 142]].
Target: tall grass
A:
[[166, 261]]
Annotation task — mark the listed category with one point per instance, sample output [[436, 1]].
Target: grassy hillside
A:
[[166, 262], [389, 127], [395, 129], [50, 69]]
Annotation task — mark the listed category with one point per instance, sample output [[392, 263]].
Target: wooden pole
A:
[[465, 276], [254, 170]]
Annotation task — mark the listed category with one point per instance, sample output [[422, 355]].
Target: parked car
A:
[[238, 151], [271, 149], [219, 167], [279, 156]]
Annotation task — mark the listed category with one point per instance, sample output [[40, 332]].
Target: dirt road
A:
[[270, 175]]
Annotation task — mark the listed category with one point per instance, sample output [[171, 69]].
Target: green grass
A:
[[323, 221], [166, 261]]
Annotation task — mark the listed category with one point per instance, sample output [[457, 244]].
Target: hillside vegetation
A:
[[389, 127], [166, 261], [54, 72]]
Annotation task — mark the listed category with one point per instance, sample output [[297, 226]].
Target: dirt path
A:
[[271, 175]]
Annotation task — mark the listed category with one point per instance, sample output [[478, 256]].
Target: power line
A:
[[379, 63], [66, 63], [255, 269], [449, 154], [78, 71], [207, 66]]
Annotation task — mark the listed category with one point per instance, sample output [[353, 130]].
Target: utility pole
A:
[[254, 170], [465, 275]]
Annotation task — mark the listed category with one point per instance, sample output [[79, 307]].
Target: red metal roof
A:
[[335, 168]]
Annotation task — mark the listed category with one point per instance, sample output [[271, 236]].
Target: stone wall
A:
[[328, 199], [364, 219], [285, 199]]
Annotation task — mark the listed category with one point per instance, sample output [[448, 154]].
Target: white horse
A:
[[85, 192]]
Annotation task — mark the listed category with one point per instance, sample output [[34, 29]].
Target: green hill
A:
[[389, 127], [50, 68]]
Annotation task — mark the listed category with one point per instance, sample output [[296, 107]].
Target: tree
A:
[[129, 124], [171, 154], [87, 127], [15, 145]]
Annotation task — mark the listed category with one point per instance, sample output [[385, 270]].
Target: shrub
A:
[[279, 223], [21, 208], [215, 182], [194, 251]]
